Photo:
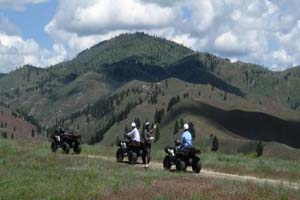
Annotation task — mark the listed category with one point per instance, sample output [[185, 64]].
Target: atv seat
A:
[[188, 152]]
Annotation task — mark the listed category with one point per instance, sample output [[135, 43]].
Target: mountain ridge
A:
[[78, 92]]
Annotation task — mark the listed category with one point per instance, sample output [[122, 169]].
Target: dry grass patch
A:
[[202, 188]]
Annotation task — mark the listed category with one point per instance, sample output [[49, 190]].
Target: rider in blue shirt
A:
[[186, 139]]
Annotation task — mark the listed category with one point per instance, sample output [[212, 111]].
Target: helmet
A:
[[147, 123], [133, 124], [186, 126]]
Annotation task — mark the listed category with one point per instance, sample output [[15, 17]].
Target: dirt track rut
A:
[[220, 175]]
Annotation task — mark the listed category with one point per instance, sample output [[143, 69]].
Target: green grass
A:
[[242, 164], [28, 170], [249, 164]]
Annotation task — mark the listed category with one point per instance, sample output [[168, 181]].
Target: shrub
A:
[[215, 144], [259, 149]]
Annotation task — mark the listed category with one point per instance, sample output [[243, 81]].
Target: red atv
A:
[[66, 140]]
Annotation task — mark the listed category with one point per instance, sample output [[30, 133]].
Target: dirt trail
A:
[[220, 175]]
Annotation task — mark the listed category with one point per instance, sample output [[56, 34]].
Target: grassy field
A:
[[29, 171], [264, 167]]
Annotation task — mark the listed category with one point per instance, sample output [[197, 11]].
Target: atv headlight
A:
[[171, 151], [123, 145]]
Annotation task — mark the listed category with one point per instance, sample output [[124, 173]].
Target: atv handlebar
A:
[[177, 142]]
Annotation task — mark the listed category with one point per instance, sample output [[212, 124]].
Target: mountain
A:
[[2, 75], [16, 126], [133, 75]]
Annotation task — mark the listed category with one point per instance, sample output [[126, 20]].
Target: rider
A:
[[148, 132], [61, 130], [59, 133], [147, 137], [186, 138], [134, 134]]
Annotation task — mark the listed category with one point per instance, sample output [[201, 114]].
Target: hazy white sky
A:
[[45, 32]]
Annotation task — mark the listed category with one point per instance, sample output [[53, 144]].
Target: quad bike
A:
[[66, 140], [133, 150], [182, 158]]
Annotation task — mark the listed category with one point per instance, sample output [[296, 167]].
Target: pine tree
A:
[[215, 144], [172, 102], [181, 123], [225, 96], [259, 149], [185, 95], [156, 116], [176, 127], [4, 134], [126, 130], [39, 130], [92, 141], [162, 112], [32, 133], [157, 134], [192, 130], [143, 130], [137, 122]]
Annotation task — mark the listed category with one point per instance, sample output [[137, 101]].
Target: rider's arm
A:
[[131, 133], [183, 139]]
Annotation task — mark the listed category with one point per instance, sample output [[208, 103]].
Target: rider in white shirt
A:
[[134, 134]]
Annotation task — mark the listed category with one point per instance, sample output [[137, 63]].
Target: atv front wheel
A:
[[77, 149], [132, 157], [167, 163], [180, 165], [66, 147], [119, 155], [196, 165], [53, 146]]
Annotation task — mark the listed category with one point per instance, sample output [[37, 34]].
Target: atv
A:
[[66, 140], [133, 150], [182, 158]]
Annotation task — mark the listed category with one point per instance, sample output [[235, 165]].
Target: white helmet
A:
[[186, 126], [133, 124], [147, 123]]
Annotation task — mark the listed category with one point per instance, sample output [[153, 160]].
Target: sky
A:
[[46, 32]]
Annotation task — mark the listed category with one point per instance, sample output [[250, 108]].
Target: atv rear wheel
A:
[[77, 149], [132, 157], [53, 146], [196, 165], [119, 155], [167, 163], [180, 165], [66, 147]]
